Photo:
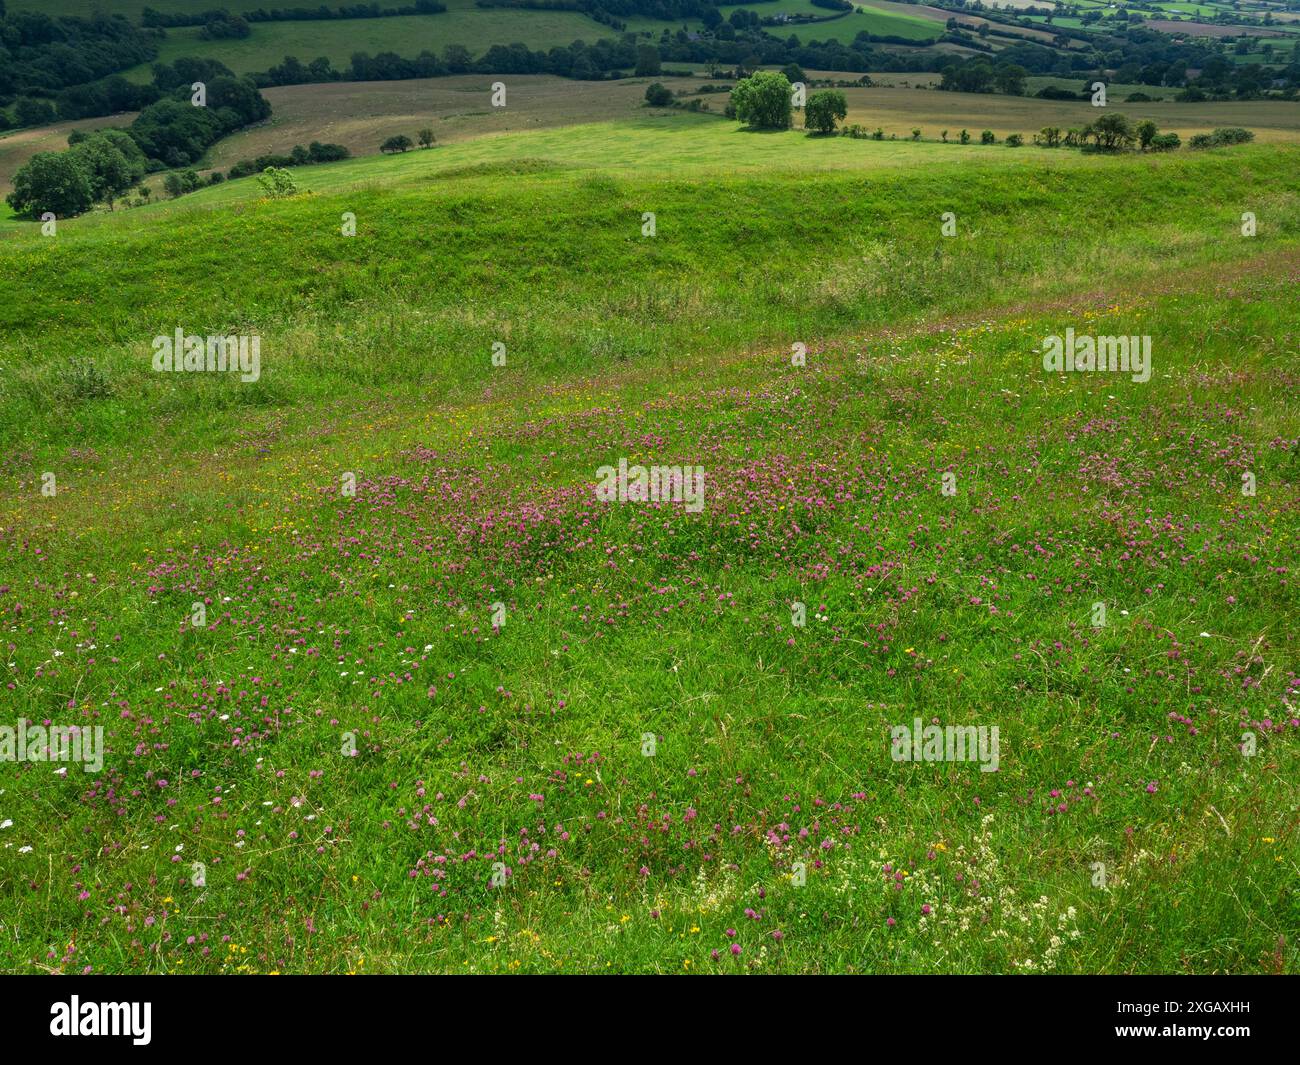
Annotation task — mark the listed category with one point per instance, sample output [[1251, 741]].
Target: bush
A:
[[82, 379], [276, 181], [658, 95], [425, 137], [399, 143], [112, 160], [965, 137], [823, 110], [762, 100], [224, 26], [255, 166], [1165, 142], [1231, 135], [987, 137], [1113, 131], [327, 153], [52, 181], [1014, 140], [31, 112], [1221, 138], [316, 152]]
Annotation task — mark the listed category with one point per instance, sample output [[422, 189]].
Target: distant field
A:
[[1020, 5], [1208, 29], [940, 17], [871, 18], [337, 39], [1201, 10], [1115, 91], [898, 110], [362, 114]]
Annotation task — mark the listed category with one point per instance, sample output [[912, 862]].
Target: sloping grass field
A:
[[469, 718]]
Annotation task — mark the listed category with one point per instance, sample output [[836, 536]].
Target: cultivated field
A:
[[337, 39], [361, 114]]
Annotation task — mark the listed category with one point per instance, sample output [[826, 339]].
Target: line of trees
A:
[[316, 152], [173, 19]]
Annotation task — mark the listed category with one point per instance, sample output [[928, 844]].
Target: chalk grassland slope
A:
[[458, 109], [361, 115], [338, 622], [653, 142], [570, 170]]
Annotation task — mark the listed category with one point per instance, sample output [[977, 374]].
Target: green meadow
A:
[[385, 687], [337, 39], [831, 26]]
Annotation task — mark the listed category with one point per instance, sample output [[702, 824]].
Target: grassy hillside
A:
[[521, 748], [361, 115]]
